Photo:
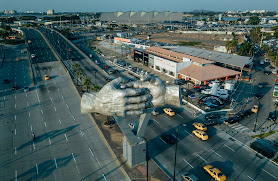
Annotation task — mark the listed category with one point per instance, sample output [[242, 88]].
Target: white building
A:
[[272, 21], [50, 12]]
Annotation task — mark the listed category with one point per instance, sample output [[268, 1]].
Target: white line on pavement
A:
[[202, 158], [31, 127], [51, 99], [188, 163], [156, 121], [15, 106], [55, 163], [66, 137], [60, 121], [179, 115], [269, 173], [81, 133], [37, 169], [62, 97], [215, 152], [97, 161], [49, 141], [14, 131], [250, 177], [188, 133], [38, 95], [229, 148], [14, 96], [176, 137], [167, 117], [162, 140], [41, 111], [27, 104], [14, 117], [44, 124], [15, 151], [73, 157], [91, 152], [73, 117], [26, 94], [34, 146], [15, 175], [67, 105], [29, 114], [104, 177]]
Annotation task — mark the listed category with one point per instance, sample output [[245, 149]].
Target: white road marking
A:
[[162, 140], [269, 173], [14, 96], [34, 146], [31, 127], [167, 117], [15, 175], [215, 152], [62, 97], [73, 117], [66, 137], [15, 106], [14, 131], [49, 141], [58, 89], [45, 124], [250, 177], [91, 152], [97, 161], [15, 152], [179, 115], [176, 137], [156, 121], [229, 148], [201, 158], [29, 114], [73, 157], [67, 105], [55, 163], [27, 104], [188, 133], [60, 121], [104, 177], [51, 99], [38, 95], [47, 91], [14, 117], [188, 163], [37, 169], [54, 108], [41, 111], [81, 133]]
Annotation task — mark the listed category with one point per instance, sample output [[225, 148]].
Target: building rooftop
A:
[[208, 72], [233, 60], [175, 56]]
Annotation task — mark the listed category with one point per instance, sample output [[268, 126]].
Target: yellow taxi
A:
[[255, 109], [18, 59], [200, 126], [46, 77], [29, 41], [215, 173], [200, 134], [169, 111]]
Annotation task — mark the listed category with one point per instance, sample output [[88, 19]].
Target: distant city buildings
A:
[[50, 12], [9, 12]]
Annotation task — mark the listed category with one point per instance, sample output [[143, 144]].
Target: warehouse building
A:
[[140, 17]]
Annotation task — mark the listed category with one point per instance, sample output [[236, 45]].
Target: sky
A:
[[136, 5]]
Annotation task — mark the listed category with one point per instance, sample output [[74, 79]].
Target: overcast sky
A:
[[136, 5]]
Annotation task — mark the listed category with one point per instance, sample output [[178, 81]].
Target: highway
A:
[[67, 146], [222, 150]]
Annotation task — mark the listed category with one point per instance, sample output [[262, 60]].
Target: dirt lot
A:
[[207, 41]]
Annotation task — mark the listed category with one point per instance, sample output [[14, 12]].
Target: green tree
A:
[[246, 49], [256, 34], [87, 83], [231, 46], [254, 20]]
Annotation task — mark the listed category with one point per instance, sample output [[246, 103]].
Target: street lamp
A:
[[176, 149], [146, 155]]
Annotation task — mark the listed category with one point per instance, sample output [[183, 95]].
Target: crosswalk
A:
[[239, 128]]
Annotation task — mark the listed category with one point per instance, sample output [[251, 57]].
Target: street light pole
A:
[[146, 155], [176, 149]]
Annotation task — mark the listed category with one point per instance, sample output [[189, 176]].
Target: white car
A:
[[33, 55], [261, 62]]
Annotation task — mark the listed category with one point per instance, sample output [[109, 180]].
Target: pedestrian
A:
[[194, 113], [33, 136]]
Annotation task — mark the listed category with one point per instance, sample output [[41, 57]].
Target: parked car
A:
[[255, 109], [46, 77], [155, 112], [186, 176], [18, 59], [231, 120], [213, 122], [243, 114], [261, 62], [258, 96], [212, 116], [200, 134], [108, 79], [15, 87], [168, 138], [111, 72], [70, 50], [267, 72], [33, 55], [6, 81], [179, 81], [106, 66], [215, 173], [272, 116], [260, 85], [26, 88]]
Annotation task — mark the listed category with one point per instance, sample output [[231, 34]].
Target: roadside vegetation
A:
[[190, 43]]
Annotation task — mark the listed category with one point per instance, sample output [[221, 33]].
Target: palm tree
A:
[[79, 75], [75, 67], [95, 88], [228, 46], [87, 83]]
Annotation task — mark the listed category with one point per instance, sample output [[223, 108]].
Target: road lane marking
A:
[[167, 117], [91, 152], [37, 169], [15, 152], [201, 158], [215, 152], [176, 137], [156, 121], [14, 117], [14, 131], [15, 175], [81, 133], [38, 95], [269, 173], [73, 157], [179, 115], [60, 121], [97, 161], [66, 137], [29, 114], [188, 133], [104, 177], [44, 124], [73, 117], [162, 140], [27, 104], [15, 106], [41, 111], [229, 148], [250, 177], [34, 146], [51, 99], [55, 108], [188, 163], [14, 96], [31, 127], [67, 105], [26, 94], [55, 163], [49, 141], [62, 97]]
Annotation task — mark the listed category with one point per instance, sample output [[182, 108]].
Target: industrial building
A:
[[140, 17]]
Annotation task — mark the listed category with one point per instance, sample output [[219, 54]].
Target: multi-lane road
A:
[[68, 146]]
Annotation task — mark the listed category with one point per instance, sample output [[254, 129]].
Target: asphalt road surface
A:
[[67, 144]]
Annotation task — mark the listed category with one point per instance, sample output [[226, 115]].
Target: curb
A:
[[93, 120]]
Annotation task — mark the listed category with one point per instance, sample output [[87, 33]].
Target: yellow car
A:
[[215, 173], [255, 109], [200, 126], [29, 41], [200, 134], [46, 77], [169, 111], [18, 59]]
